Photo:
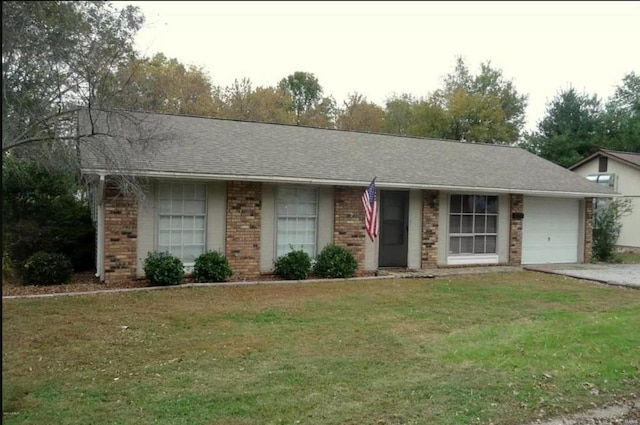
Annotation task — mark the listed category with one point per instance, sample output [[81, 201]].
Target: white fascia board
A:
[[330, 182]]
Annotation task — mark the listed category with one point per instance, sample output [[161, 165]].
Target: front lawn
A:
[[493, 348]]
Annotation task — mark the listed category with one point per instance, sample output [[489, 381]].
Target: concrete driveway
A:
[[613, 274]]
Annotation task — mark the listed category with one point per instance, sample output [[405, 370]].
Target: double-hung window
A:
[[297, 219], [182, 220], [473, 224]]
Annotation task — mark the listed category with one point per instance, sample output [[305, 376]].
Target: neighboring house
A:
[[251, 190], [619, 171]]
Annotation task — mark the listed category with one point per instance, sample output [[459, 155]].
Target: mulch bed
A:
[[88, 282]]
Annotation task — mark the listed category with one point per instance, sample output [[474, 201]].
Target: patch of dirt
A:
[[621, 412]]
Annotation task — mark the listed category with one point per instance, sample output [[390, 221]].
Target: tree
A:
[[484, 108], [570, 129], [240, 101], [41, 211], [304, 89], [398, 114], [58, 58], [360, 115], [161, 84], [621, 120]]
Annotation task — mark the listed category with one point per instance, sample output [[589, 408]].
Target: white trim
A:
[[100, 222], [328, 182], [455, 260]]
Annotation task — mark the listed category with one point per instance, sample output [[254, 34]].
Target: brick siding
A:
[[588, 229], [515, 231], [244, 213], [429, 242], [120, 235], [349, 230]]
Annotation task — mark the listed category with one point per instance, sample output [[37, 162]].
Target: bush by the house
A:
[[607, 226], [45, 210], [162, 268], [335, 262], [45, 268], [212, 266], [293, 265]]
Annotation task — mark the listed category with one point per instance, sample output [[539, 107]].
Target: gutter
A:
[[331, 182]]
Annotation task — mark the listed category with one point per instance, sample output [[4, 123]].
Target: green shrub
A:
[[335, 261], [607, 226], [162, 268], [212, 266], [45, 268], [293, 265]]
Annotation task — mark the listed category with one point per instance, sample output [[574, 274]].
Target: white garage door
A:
[[550, 230]]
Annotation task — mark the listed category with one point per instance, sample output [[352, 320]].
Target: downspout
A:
[[100, 234]]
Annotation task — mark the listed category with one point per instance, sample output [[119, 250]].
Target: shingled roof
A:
[[218, 149], [629, 158]]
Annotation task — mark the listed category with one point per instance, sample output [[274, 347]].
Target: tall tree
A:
[[398, 114], [241, 101], [570, 129], [484, 108], [359, 114], [621, 121], [59, 58], [161, 84], [305, 91]]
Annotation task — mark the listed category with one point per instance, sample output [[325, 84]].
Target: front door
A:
[[394, 228]]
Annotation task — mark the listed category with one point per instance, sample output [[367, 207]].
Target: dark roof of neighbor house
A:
[[629, 158], [219, 149]]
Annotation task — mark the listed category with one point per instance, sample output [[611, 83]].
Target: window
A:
[[182, 217], [473, 224], [296, 215], [608, 180]]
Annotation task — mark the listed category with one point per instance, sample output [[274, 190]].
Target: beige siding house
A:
[[254, 190], [619, 171]]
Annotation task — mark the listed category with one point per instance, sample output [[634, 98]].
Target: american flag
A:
[[370, 210]]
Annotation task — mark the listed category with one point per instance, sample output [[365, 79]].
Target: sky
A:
[[380, 48]]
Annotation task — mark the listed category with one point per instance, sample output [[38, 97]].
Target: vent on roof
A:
[[606, 179]]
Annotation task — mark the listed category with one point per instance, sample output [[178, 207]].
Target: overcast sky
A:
[[382, 48]]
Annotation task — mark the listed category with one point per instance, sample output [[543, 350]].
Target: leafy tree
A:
[[483, 108], [264, 104], [164, 85], [322, 114], [358, 114], [569, 130], [398, 116], [59, 58], [42, 210], [621, 120], [305, 91]]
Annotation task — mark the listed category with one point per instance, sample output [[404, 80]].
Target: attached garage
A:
[[550, 230]]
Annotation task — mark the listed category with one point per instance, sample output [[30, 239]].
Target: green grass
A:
[[491, 348], [628, 257]]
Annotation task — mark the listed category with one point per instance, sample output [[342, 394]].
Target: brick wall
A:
[[515, 231], [349, 230], [429, 243], [120, 235], [588, 229], [244, 212]]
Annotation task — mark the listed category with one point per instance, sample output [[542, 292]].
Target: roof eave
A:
[[334, 182]]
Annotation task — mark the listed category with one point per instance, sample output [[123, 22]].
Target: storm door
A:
[[394, 228]]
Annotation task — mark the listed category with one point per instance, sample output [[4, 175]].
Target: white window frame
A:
[[293, 218], [472, 258], [160, 214]]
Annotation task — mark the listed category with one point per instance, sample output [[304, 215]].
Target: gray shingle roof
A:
[[226, 149]]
